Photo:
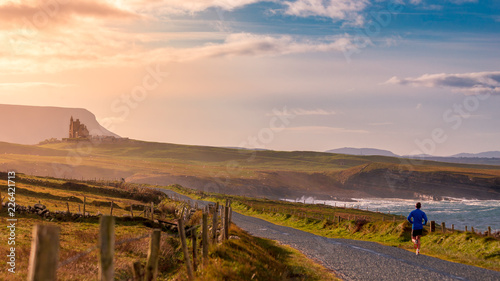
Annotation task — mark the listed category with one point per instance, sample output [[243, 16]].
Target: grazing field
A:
[[271, 174], [237, 259]]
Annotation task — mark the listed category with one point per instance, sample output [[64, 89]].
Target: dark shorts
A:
[[416, 232]]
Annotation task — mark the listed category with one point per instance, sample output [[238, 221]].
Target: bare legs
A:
[[416, 242]]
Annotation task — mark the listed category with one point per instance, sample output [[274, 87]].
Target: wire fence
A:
[[46, 244]]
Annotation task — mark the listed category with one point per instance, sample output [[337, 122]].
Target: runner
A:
[[415, 218]]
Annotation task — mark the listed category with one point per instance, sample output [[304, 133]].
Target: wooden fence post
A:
[[472, 229], [111, 209], [443, 227], [67, 208], [84, 202], [433, 226], [131, 213], [187, 260], [222, 223], [137, 271], [452, 228], [44, 253], [152, 211], [465, 228], [204, 238], [106, 248], [489, 230], [194, 242], [214, 223], [153, 256], [226, 222]]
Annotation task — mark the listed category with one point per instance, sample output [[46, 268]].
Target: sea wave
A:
[[457, 211]]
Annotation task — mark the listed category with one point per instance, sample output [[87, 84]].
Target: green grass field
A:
[[273, 174]]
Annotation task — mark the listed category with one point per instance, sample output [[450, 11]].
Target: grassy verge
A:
[[252, 258], [463, 247]]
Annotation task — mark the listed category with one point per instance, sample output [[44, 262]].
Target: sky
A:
[[409, 76]]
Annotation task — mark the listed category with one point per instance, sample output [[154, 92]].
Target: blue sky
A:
[[410, 76]]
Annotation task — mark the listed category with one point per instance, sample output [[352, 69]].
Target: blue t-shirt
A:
[[415, 218]]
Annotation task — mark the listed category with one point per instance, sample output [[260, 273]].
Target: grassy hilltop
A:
[[273, 174]]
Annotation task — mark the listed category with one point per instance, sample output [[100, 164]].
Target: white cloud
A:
[[469, 83], [40, 14], [335, 9], [176, 7], [247, 44], [88, 47]]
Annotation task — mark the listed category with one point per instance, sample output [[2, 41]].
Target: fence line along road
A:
[[360, 260]]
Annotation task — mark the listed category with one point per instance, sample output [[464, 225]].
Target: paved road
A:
[[360, 260]]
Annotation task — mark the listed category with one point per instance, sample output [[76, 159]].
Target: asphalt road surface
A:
[[360, 260]]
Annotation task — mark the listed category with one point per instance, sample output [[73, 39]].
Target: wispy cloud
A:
[[176, 7], [33, 84], [247, 44], [40, 14], [349, 10], [83, 48], [468, 83]]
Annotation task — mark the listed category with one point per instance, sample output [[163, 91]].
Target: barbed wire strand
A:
[[128, 240]]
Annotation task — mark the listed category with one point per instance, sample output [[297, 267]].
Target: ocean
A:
[[461, 212]]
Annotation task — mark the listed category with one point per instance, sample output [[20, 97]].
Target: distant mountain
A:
[[362, 151], [33, 124], [488, 154]]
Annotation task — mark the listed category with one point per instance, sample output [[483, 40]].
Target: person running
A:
[[415, 218]]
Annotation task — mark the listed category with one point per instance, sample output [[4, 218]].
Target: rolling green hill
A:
[[273, 174]]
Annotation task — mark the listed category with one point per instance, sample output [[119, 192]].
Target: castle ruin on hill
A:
[[77, 129], [79, 132]]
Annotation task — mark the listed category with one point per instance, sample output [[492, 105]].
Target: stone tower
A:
[[77, 129]]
